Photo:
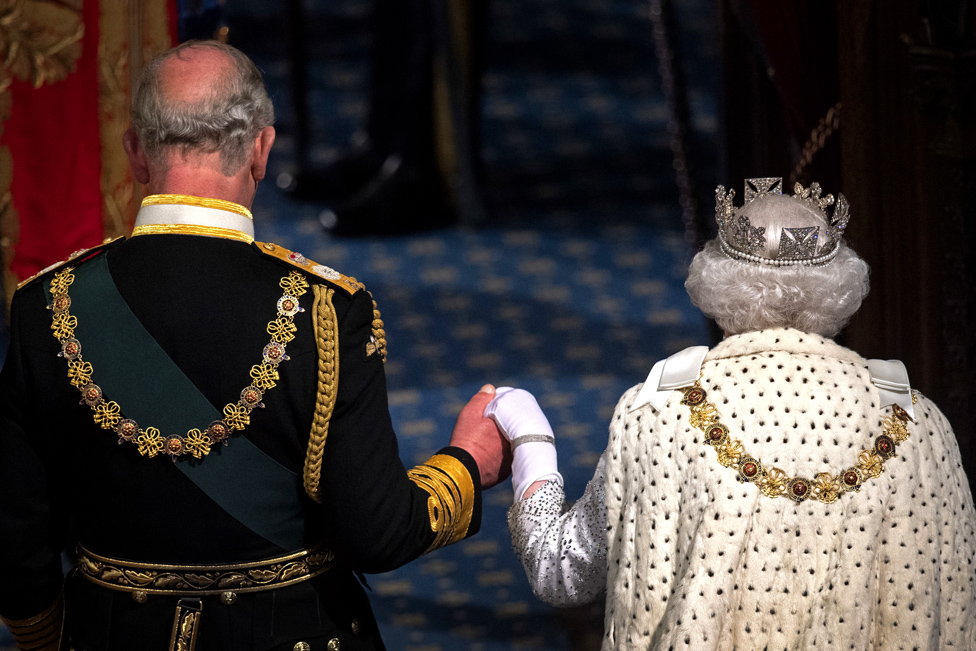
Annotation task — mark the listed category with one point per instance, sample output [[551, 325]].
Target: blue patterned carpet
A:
[[572, 290]]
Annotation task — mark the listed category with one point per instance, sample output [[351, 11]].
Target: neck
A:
[[205, 182]]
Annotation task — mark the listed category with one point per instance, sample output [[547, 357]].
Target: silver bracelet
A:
[[533, 438]]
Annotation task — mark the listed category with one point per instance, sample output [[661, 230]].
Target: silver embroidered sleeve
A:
[[563, 550]]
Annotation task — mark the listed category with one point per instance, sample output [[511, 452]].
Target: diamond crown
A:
[[805, 245]]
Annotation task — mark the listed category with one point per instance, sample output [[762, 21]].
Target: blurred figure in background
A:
[[415, 164]]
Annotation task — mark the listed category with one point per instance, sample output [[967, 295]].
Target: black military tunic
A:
[[207, 302]]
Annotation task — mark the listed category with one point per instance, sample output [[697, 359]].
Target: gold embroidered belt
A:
[[190, 582], [142, 579]]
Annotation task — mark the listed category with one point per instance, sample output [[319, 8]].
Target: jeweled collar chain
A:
[[150, 441], [773, 482]]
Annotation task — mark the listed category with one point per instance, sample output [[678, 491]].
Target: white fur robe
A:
[[697, 561]]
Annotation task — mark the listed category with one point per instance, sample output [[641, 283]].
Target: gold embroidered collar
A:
[[163, 214]]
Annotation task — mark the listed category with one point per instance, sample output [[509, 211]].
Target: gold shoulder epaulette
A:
[[78, 257], [348, 283]]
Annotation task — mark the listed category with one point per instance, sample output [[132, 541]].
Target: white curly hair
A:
[[745, 296]]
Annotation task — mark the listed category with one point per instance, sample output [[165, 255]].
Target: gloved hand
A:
[[522, 422]]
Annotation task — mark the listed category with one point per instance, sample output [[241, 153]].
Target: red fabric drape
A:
[[53, 136]]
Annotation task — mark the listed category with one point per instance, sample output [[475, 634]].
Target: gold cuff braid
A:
[[451, 502], [41, 632], [325, 325]]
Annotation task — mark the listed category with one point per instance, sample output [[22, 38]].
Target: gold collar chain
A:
[[825, 487], [196, 443]]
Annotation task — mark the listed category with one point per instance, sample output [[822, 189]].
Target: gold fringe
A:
[[325, 325]]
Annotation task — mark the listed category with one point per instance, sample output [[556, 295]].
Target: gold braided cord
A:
[[379, 334], [450, 504], [202, 202], [825, 487], [150, 441], [325, 327], [192, 229]]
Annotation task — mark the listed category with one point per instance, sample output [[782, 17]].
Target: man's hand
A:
[[479, 436]]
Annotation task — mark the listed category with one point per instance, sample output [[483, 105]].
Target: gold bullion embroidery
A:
[[202, 202], [826, 487], [185, 627], [347, 283], [197, 443], [325, 325], [76, 254], [450, 504]]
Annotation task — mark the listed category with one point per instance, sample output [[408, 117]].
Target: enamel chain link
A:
[[825, 487], [196, 442]]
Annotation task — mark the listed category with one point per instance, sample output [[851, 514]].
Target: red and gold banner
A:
[[64, 179]]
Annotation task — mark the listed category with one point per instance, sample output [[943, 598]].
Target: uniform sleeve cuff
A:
[[41, 632], [452, 482], [474, 474]]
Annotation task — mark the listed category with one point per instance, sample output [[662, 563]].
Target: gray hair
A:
[[226, 121], [746, 296]]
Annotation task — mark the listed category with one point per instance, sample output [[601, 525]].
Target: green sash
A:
[[134, 371]]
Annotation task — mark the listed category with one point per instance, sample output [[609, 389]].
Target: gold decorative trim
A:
[[379, 334], [826, 487], [203, 580], [186, 626], [202, 202], [325, 325], [41, 632], [150, 441], [76, 254], [192, 229], [450, 506], [348, 283]]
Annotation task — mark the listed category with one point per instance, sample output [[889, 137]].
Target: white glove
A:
[[521, 420]]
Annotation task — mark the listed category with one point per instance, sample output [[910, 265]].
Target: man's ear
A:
[[138, 162], [262, 148]]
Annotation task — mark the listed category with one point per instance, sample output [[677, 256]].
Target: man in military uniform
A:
[[231, 464]]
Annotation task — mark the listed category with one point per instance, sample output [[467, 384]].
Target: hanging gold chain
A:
[[825, 487], [197, 442]]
